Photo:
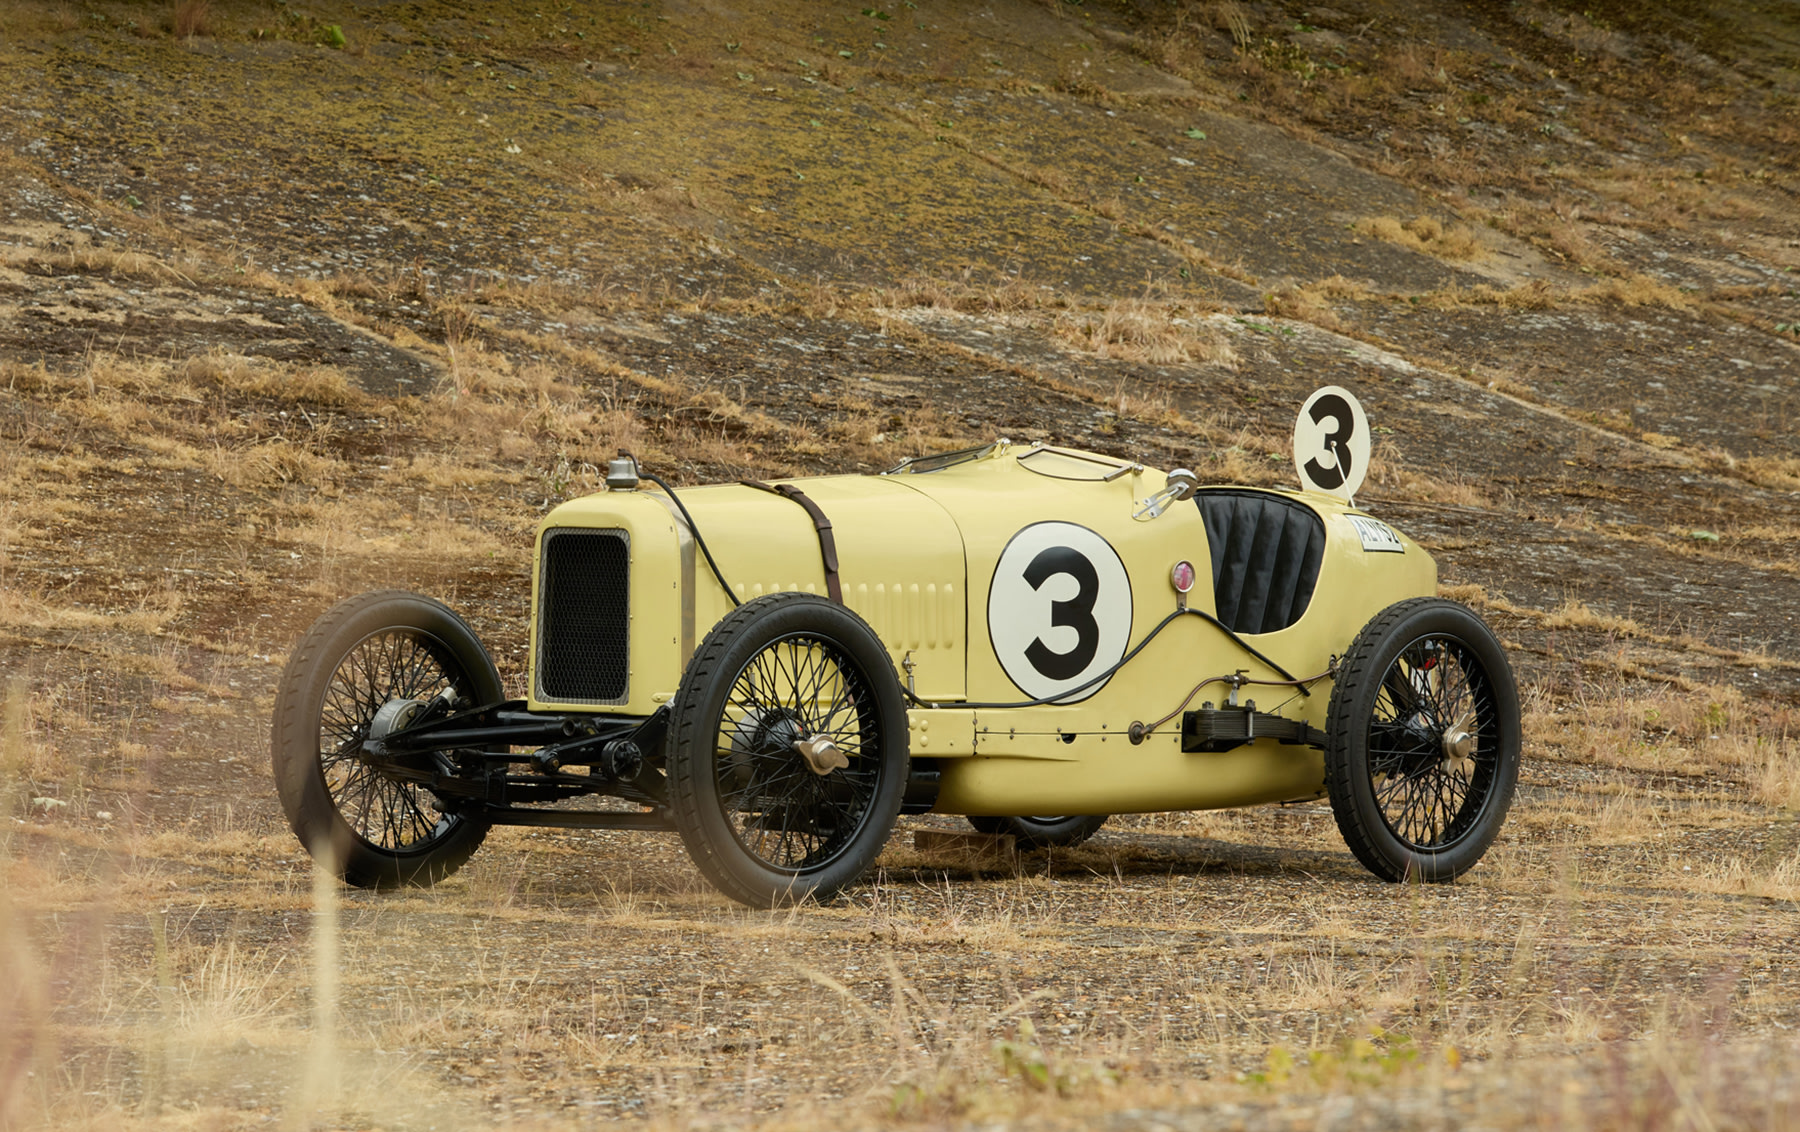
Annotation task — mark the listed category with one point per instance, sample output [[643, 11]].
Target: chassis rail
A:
[[468, 762], [652, 821]]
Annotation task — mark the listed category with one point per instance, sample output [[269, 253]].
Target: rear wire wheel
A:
[[787, 750], [1422, 741], [1030, 833], [358, 668]]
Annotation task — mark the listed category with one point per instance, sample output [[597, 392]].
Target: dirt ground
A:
[[302, 300]]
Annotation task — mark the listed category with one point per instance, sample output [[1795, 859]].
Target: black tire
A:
[[1043, 833], [759, 823], [1411, 801], [363, 652]]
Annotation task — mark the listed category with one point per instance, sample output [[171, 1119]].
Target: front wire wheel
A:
[[800, 688], [392, 664], [1422, 749], [363, 667], [787, 755]]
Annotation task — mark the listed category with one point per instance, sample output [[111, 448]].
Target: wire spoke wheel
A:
[[1422, 741], [787, 751], [359, 670], [782, 811], [1429, 788], [394, 664]]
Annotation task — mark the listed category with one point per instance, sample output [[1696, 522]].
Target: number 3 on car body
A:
[[1059, 610]]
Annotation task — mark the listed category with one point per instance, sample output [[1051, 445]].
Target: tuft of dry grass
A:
[[191, 18], [1231, 18], [1536, 295], [1247, 458], [1394, 476], [1782, 473], [1428, 235], [313, 386], [1007, 297], [1307, 303], [1143, 331], [1575, 614], [1637, 290], [1773, 762]]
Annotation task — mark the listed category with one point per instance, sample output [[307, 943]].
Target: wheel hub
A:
[[761, 742], [821, 754], [1459, 744], [763, 739], [394, 716]]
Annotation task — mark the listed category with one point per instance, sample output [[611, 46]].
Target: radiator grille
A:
[[584, 617]]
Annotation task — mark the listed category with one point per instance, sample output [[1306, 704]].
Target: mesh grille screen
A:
[[584, 617]]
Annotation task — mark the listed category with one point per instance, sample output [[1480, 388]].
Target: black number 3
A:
[[1328, 476], [1077, 614]]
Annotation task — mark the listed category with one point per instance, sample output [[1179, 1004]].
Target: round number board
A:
[[1331, 443], [1059, 610]]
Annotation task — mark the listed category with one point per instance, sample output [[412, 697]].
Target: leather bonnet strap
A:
[[827, 543]]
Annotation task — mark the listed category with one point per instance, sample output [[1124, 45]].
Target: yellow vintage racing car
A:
[[1032, 636]]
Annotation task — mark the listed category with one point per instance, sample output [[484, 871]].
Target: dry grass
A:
[[1770, 471], [1143, 331], [191, 18], [1247, 457], [1230, 17], [1392, 476], [1538, 294], [1638, 290], [1312, 302], [1425, 234], [1575, 614], [1007, 297]]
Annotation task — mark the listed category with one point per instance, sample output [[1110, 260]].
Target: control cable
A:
[[695, 530], [1287, 677]]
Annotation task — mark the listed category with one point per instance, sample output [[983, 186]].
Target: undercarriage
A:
[[472, 764]]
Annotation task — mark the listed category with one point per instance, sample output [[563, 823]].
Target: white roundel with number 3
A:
[[1331, 443], [1059, 610]]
